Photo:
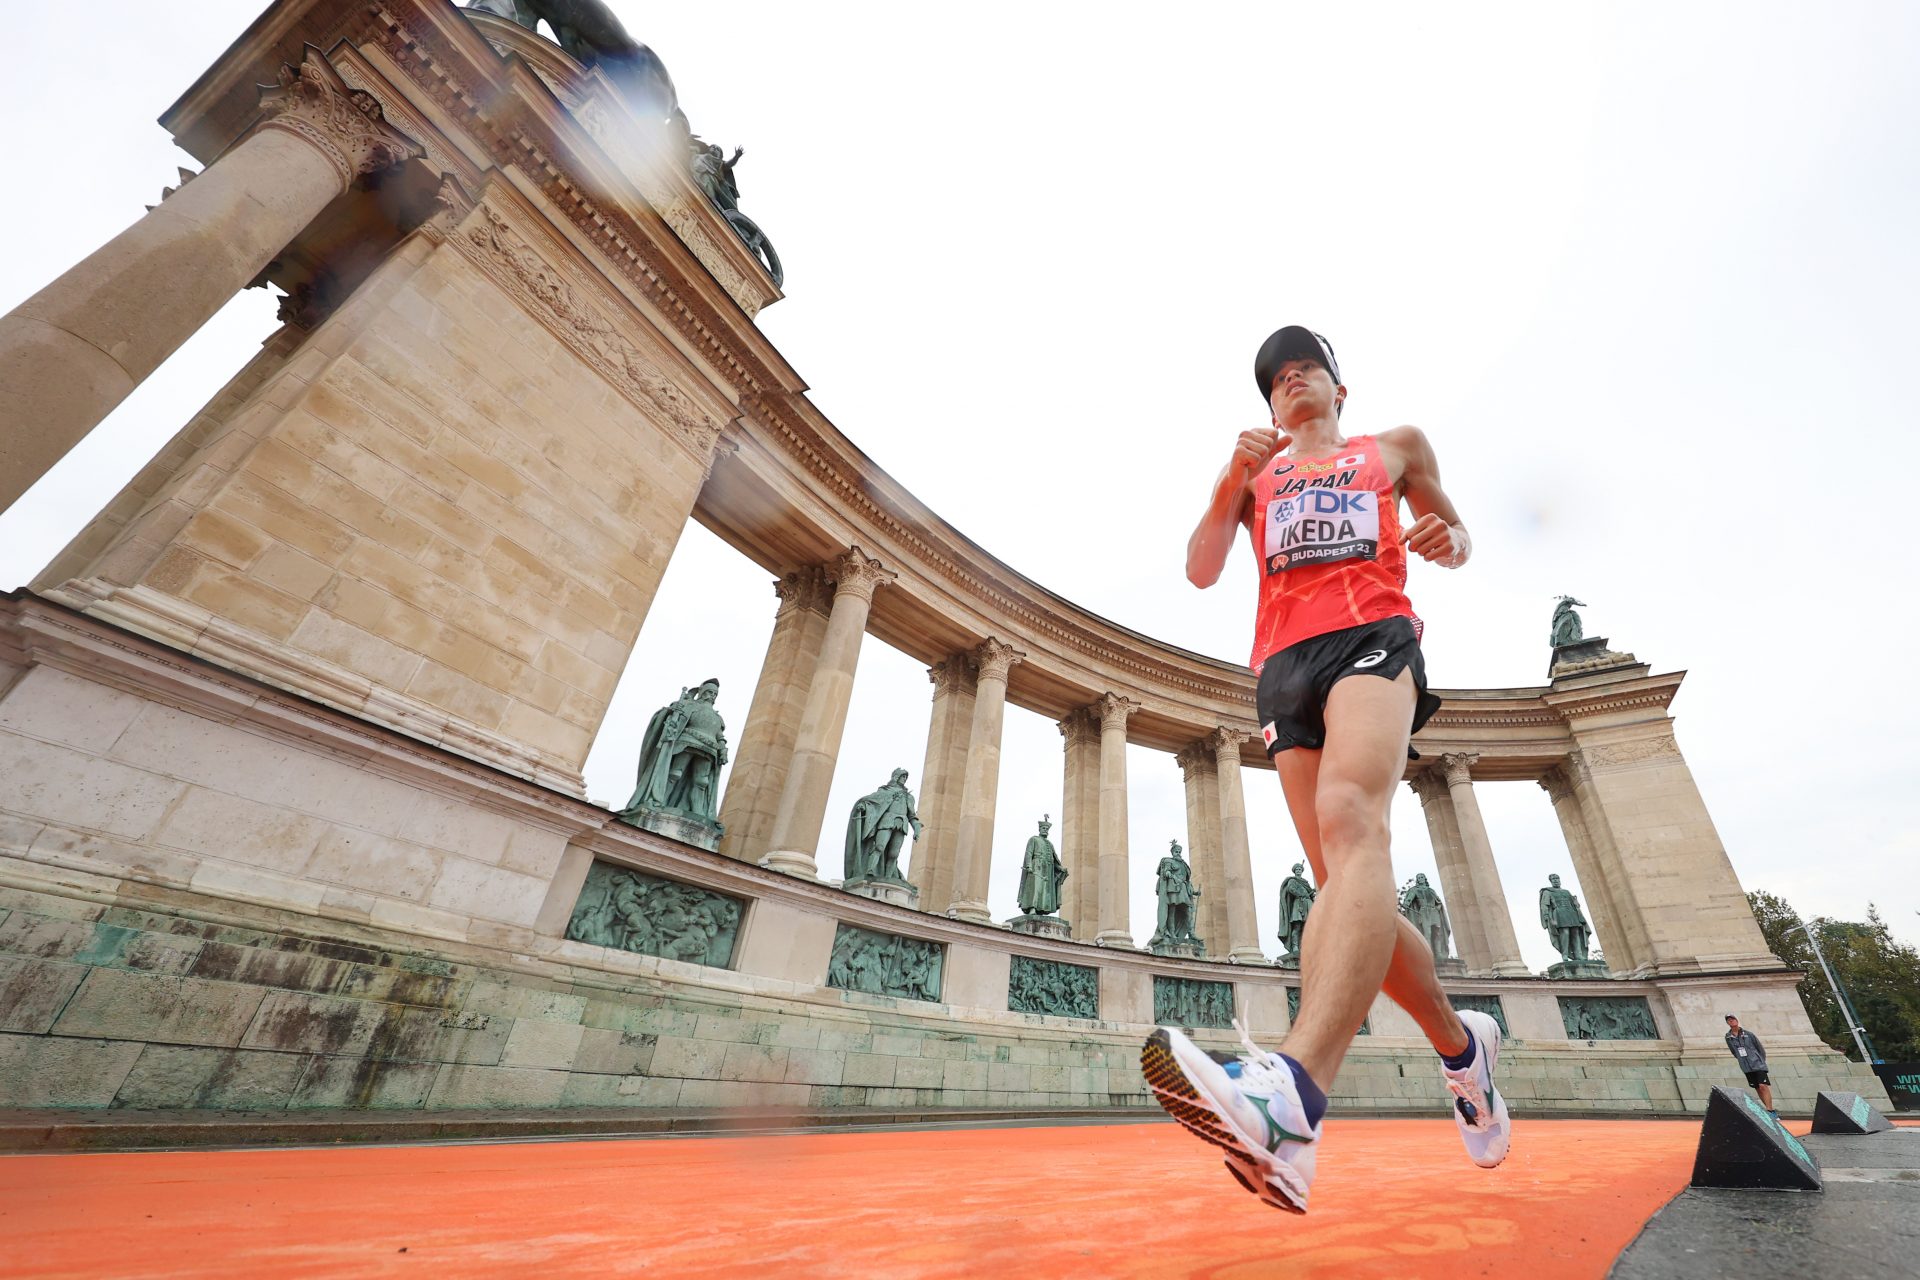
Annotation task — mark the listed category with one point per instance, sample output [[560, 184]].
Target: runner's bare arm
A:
[[1227, 509], [1436, 533]]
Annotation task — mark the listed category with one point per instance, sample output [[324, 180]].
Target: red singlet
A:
[[1331, 553]]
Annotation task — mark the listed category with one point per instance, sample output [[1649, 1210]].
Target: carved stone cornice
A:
[[809, 589], [1225, 744], [1557, 785], [344, 124], [1429, 784], [1197, 759], [1080, 727], [993, 659], [490, 240], [450, 206], [952, 674], [1634, 751], [857, 574], [1458, 766], [1113, 710]]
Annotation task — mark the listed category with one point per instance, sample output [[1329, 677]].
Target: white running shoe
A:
[[1478, 1108], [1257, 1119]]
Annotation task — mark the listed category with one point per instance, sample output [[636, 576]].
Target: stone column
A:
[[773, 718], [1243, 925], [803, 799], [1080, 823], [973, 852], [943, 779], [1113, 711], [1202, 778], [1496, 922], [1450, 859], [74, 350], [1594, 888]]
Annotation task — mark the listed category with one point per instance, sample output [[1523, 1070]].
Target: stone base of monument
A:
[[1578, 969], [1450, 967], [674, 826], [1583, 656], [1286, 962], [1041, 926], [898, 892], [1192, 950]]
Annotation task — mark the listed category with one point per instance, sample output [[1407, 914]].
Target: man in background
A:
[[1752, 1057]]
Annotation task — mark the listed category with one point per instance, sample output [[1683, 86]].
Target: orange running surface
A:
[[1393, 1198]]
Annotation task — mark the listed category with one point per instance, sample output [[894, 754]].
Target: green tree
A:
[[1880, 974]]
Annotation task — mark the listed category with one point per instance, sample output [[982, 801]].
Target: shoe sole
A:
[[1498, 1103], [1179, 1098]]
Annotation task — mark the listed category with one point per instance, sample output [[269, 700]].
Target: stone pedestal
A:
[[1041, 926], [897, 892], [1583, 656], [1579, 969], [1451, 967], [1286, 962], [1193, 950], [674, 826]]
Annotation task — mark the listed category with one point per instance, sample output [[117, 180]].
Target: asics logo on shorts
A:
[[1372, 659]]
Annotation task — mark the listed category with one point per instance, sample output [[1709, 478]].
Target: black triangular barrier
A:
[[1742, 1146], [1847, 1113]]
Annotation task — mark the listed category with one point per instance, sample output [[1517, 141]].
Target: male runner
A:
[[1323, 512]]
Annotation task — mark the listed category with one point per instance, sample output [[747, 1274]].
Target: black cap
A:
[[1295, 342]]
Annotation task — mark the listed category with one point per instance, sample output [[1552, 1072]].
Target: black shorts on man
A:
[[1757, 1078], [1291, 699]]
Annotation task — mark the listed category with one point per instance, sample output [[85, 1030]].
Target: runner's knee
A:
[[1349, 818]]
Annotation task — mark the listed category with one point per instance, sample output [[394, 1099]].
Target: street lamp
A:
[[1839, 993]]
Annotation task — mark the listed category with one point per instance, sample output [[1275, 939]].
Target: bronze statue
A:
[[589, 31], [680, 759], [1041, 875], [1561, 917], [1174, 887], [1296, 899], [714, 172], [1426, 912], [878, 828], [1566, 623]]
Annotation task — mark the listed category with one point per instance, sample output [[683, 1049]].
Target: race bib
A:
[[1321, 526]]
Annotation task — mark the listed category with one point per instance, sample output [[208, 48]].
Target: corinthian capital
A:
[[857, 574], [1225, 744], [1196, 758], [1458, 766], [344, 124], [1557, 785], [1079, 727], [1429, 784], [804, 589], [994, 658], [952, 674], [1113, 711]]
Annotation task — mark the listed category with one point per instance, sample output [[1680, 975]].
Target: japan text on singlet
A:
[[1331, 553]]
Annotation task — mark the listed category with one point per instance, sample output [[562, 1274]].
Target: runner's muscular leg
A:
[[1412, 982], [1352, 928]]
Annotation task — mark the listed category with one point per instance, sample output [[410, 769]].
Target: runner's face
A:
[[1303, 390]]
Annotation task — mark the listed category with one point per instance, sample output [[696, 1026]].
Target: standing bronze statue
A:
[[1566, 623], [1424, 910], [1566, 925], [677, 790], [1296, 899], [1174, 888], [878, 829], [714, 172], [1041, 875]]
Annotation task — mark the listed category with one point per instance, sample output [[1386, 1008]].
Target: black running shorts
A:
[[1758, 1078], [1291, 699]]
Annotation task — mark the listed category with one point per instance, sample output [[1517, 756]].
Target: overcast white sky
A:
[[1646, 273]]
